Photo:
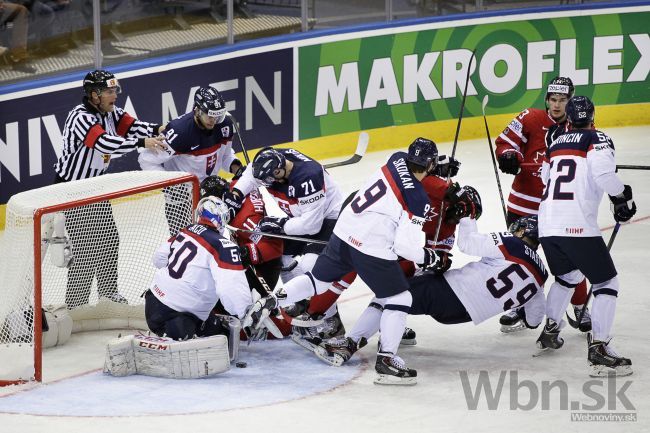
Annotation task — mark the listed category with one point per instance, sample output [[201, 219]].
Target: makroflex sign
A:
[[417, 76]]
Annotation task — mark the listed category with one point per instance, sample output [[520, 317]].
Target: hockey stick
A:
[[609, 247], [494, 161], [619, 167], [241, 142], [272, 235], [362, 146], [453, 149]]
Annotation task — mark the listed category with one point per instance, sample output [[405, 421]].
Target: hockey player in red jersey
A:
[[520, 150]]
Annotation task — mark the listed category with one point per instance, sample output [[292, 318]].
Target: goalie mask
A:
[[212, 212]]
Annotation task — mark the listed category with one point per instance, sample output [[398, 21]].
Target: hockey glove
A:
[[468, 205], [623, 206], [233, 200], [510, 161], [430, 258], [249, 255], [447, 166], [443, 264], [237, 169], [273, 225]]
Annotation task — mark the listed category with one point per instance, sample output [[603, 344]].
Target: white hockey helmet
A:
[[213, 212]]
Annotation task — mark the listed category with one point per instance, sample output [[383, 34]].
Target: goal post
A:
[[87, 244]]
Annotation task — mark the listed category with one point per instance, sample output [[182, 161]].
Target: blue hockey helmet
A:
[[529, 225], [212, 212], [423, 152], [560, 85], [580, 111], [209, 101], [267, 164]]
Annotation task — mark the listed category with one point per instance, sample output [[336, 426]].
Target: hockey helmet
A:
[[212, 212], [423, 152], [560, 85], [214, 186], [529, 225], [580, 111], [98, 80], [209, 101], [266, 165]]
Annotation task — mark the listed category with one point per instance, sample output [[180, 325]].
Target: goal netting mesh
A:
[[97, 239]]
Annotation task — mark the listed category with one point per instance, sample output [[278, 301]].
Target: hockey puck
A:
[[241, 364]]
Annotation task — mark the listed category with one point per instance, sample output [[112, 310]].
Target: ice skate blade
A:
[[333, 360], [304, 343], [408, 342], [604, 371], [387, 379], [509, 329]]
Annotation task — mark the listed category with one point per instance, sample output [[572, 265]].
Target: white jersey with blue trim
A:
[[197, 268], [202, 152], [386, 216], [308, 196], [509, 274], [579, 166]]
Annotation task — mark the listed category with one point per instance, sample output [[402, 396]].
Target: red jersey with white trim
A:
[[248, 217], [509, 274], [581, 166], [526, 133], [436, 188], [202, 152], [202, 267], [386, 216]]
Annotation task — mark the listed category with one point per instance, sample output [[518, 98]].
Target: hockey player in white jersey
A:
[[578, 168], [304, 190], [509, 275], [196, 268], [382, 222]]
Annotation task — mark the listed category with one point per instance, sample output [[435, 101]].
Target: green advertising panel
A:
[[412, 77]]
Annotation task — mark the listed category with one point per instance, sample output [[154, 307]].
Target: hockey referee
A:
[[94, 130]]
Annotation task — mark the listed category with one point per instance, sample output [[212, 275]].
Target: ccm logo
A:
[[153, 346]]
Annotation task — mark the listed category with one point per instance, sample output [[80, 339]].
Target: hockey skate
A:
[[604, 361], [339, 350], [550, 336], [310, 337], [512, 321], [585, 323], [408, 338], [392, 370]]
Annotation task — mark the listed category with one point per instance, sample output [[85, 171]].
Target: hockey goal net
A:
[[87, 244]]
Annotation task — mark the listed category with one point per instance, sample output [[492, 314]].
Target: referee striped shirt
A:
[[91, 137]]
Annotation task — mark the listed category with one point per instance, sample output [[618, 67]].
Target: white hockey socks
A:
[[602, 316], [368, 323], [393, 321]]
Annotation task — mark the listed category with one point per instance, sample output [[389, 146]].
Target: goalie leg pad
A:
[[59, 325], [164, 357]]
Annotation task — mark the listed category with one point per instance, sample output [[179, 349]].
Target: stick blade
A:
[[486, 98], [362, 144]]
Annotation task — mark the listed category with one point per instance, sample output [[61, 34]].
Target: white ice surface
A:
[[284, 389]]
